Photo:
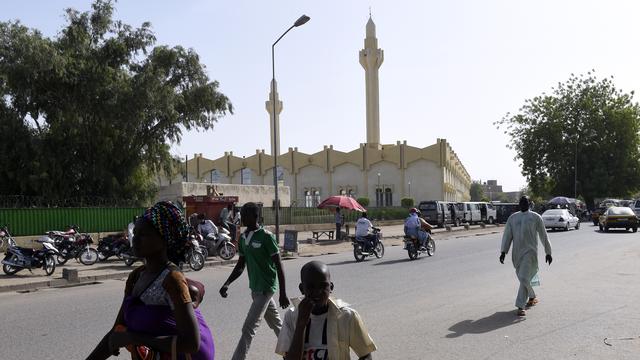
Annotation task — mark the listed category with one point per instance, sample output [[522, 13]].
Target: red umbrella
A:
[[344, 202]]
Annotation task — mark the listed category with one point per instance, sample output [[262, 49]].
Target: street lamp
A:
[[378, 193], [301, 21], [409, 188]]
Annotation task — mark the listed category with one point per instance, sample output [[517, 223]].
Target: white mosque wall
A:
[[426, 180], [348, 177], [390, 178], [312, 178]]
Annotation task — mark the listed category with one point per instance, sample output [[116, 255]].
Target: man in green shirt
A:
[[259, 252]]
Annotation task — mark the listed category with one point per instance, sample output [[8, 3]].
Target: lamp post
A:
[[409, 188], [379, 193], [301, 21]]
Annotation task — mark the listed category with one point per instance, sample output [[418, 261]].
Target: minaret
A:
[[273, 95], [371, 58]]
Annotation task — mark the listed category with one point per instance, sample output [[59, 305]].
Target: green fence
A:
[[35, 221]]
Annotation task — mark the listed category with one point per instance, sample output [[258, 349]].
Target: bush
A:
[[406, 202], [364, 201]]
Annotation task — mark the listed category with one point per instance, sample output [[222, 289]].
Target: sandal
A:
[[521, 312], [532, 302]]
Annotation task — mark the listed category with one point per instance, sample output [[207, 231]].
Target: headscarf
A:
[[169, 221]]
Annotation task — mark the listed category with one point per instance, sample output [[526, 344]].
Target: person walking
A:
[[158, 317], [523, 230], [259, 252]]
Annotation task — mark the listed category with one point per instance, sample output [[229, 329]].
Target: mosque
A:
[[384, 173]]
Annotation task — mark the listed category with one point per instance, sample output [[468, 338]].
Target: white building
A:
[[384, 173]]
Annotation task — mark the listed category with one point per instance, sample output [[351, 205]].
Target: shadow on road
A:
[[391, 262], [487, 324], [346, 262]]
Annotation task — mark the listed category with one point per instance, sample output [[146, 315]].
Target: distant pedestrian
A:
[[339, 219], [523, 230], [157, 318], [259, 252], [320, 327]]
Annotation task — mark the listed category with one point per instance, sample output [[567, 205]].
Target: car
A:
[[636, 207], [560, 219], [618, 217]]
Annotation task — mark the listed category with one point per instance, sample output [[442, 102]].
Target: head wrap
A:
[[169, 221]]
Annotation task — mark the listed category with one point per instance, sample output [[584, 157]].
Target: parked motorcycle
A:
[[74, 246], [5, 238], [219, 244], [365, 247], [112, 245], [193, 255], [412, 245], [19, 258], [129, 257]]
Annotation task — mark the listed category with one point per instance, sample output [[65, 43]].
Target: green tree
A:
[[94, 111], [584, 120], [407, 202], [476, 191]]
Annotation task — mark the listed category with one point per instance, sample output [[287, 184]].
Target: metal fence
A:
[[35, 221], [22, 201], [298, 215]]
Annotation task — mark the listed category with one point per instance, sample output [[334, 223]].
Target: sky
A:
[[451, 68]]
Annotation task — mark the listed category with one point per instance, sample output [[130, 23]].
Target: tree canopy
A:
[[586, 121], [476, 191], [93, 111]]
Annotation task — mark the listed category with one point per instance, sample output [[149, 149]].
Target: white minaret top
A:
[[371, 58], [274, 118]]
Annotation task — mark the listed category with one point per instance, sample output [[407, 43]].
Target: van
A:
[[436, 212], [472, 212], [504, 210], [636, 207], [487, 213]]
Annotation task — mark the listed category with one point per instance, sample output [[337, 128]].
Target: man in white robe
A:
[[523, 229]]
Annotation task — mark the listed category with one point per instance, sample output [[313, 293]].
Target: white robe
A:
[[523, 230]]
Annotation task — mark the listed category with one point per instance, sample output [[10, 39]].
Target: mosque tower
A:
[[371, 58]]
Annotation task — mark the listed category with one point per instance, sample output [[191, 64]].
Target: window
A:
[[342, 192], [245, 176], [316, 198], [308, 202], [378, 197], [351, 193], [388, 197]]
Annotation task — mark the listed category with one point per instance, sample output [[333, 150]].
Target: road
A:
[[455, 305]]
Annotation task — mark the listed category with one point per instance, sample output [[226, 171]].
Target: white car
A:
[[560, 219]]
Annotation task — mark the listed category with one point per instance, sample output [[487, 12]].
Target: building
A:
[[384, 173]]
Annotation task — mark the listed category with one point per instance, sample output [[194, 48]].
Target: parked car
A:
[[488, 213], [560, 219], [618, 217]]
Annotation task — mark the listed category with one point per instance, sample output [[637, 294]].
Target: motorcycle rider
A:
[[206, 227], [413, 227], [363, 230]]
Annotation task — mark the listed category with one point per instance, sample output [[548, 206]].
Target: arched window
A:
[[308, 202], [379, 197], [388, 197], [215, 176], [351, 193], [245, 176], [316, 198]]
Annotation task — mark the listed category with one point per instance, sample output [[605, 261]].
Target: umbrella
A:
[[344, 202], [561, 200]]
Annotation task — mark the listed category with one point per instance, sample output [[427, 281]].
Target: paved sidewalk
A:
[[115, 269]]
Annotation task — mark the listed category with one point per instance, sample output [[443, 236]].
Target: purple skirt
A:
[[158, 320]]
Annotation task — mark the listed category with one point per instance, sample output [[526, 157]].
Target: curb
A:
[[88, 279]]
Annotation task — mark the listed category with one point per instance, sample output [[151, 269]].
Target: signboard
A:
[[291, 240]]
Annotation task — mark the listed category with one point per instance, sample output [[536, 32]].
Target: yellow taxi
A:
[[618, 217]]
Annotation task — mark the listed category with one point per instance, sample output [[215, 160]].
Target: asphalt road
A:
[[455, 305]]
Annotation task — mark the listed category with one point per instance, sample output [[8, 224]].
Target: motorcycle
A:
[[412, 245], [193, 255], [112, 245], [74, 246], [365, 247], [219, 244], [5, 238], [19, 258]]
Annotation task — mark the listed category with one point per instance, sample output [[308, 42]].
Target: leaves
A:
[[93, 112], [584, 121]]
